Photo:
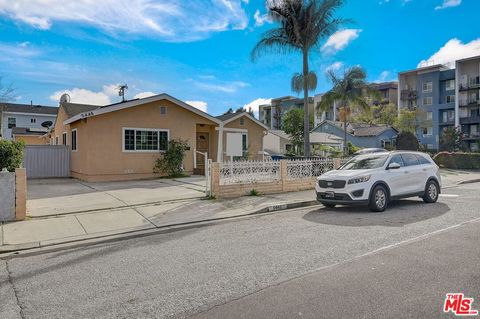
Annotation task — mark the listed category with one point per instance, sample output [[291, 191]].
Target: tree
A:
[[451, 139], [293, 125], [407, 141], [378, 114], [302, 25], [11, 154], [350, 91]]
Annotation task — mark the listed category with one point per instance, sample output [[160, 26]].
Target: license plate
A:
[[329, 194]]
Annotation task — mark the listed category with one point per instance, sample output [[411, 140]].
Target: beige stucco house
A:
[[122, 141]]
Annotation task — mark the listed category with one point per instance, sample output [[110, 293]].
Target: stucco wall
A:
[[255, 136], [30, 139]]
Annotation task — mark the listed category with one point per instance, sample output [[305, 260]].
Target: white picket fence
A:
[[244, 172]]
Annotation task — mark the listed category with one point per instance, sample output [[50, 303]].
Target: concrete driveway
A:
[[46, 197]]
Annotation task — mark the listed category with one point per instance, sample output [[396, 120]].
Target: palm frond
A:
[[297, 82]]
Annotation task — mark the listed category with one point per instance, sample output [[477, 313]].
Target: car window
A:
[[365, 162], [410, 159], [422, 160], [397, 159]]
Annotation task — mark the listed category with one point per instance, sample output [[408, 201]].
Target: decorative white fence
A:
[[239, 172], [298, 169]]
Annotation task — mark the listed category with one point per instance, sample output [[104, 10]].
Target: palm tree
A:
[[350, 92], [302, 25]]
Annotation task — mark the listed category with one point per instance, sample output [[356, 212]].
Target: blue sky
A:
[[198, 51]]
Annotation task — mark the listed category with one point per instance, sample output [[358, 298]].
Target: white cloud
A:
[[171, 20], [385, 76], [340, 40], [23, 49], [334, 66], [453, 50], [83, 96], [448, 4], [255, 104], [261, 19], [143, 95], [225, 87], [202, 106]]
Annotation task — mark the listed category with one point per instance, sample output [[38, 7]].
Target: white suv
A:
[[376, 179]]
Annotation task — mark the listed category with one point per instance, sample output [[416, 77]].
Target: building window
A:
[[448, 116], [244, 143], [56, 140], [64, 138], [12, 122], [450, 99], [427, 100], [145, 140], [242, 121], [163, 110], [33, 121], [449, 85], [429, 147], [427, 131], [429, 115], [74, 140], [427, 87]]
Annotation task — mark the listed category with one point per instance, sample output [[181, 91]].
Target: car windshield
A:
[[365, 162]]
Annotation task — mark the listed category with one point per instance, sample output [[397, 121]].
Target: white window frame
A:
[[135, 139], [452, 98], [429, 88], [448, 87], [8, 122], [246, 150], [427, 97], [66, 138], [76, 140], [56, 140], [429, 115], [429, 128]]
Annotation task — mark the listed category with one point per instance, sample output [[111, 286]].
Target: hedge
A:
[[458, 160], [11, 154]]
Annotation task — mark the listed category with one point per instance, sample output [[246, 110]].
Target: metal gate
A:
[[43, 161]]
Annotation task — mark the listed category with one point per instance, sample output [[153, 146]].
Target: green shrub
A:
[[171, 161], [352, 149], [11, 154], [458, 160], [253, 192], [407, 141]]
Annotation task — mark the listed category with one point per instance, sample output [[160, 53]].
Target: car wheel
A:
[[378, 199], [431, 192], [329, 205]]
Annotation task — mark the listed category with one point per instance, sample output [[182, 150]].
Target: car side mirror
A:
[[393, 166]]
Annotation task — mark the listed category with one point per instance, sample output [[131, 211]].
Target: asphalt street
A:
[[306, 263]]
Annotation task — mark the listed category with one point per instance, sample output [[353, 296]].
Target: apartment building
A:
[[272, 114], [443, 98]]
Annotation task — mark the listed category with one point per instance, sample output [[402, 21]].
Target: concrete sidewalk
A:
[[141, 215], [42, 232]]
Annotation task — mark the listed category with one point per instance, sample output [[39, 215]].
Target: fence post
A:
[[215, 180], [20, 193], [336, 163], [283, 174]]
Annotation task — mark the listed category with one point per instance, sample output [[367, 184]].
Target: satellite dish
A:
[[65, 98], [47, 124]]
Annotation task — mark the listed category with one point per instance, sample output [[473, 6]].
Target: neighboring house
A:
[[122, 141], [30, 136], [387, 93], [27, 117], [277, 142], [360, 134], [272, 114], [446, 98]]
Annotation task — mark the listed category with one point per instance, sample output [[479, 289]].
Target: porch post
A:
[[220, 144]]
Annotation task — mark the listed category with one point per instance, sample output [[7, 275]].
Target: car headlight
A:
[[360, 179]]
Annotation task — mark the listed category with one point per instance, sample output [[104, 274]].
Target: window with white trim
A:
[[74, 140], [244, 143], [429, 115], [427, 130], [12, 122], [64, 138], [427, 87], [145, 140], [427, 100], [56, 140], [450, 99], [449, 85]]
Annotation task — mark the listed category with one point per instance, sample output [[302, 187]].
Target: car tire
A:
[[378, 199], [329, 205], [431, 192]]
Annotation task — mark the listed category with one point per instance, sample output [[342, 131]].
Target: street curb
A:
[[32, 248], [469, 181]]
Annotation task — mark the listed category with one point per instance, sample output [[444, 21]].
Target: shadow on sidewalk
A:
[[398, 214]]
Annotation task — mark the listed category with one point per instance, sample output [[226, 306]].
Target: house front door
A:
[[202, 146]]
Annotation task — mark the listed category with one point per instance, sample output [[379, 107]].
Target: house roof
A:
[[280, 134], [127, 104], [27, 108], [73, 109], [229, 117], [361, 129], [28, 131], [324, 138]]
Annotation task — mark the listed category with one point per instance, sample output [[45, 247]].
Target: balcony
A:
[[471, 136], [468, 102], [470, 120], [473, 84], [408, 95]]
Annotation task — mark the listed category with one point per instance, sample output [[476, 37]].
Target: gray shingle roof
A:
[[28, 131], [27, 108], [73, 109], [363, 129], [227, 116]]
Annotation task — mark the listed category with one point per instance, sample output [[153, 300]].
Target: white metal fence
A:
[[244, 172], [240, 172], [42, 161]]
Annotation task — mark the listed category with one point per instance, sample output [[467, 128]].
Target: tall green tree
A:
[[351, 91], [293, 125], [302, 24]]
